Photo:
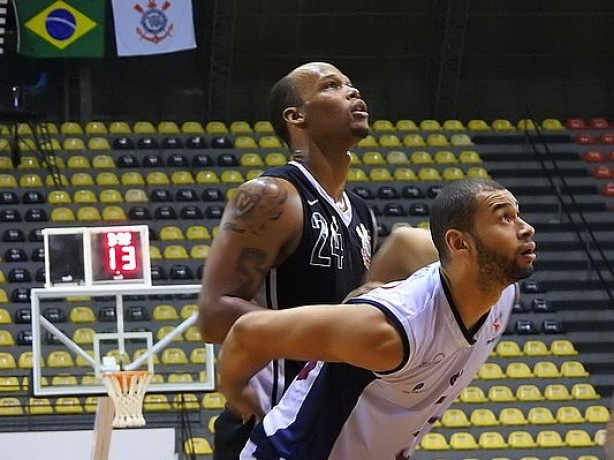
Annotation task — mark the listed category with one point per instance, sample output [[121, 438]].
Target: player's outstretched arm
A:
[[358, 334], [404, 251], [260, 226]]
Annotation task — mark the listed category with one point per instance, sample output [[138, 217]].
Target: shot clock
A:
[[88, 256]]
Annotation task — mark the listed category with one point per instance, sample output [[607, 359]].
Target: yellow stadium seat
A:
[[106, 179], [520, 440], [200, 251], [216, 127], [390, 141], [198, 232], [166, 330], [512, 416], [184, 401], [437, 140], [557, 392], [421, 157], [508, 349], [197, 446], [263, 126], [397, 157], [198, 355], [500, 393], [546, 370], [240, 127], [182, 178], [518, 370], [434, 442], [5, 162], [30, 181], [540, 416], [563, 347], [39, 406], [413, 140], [455, 418], [111, 196], [88, 214], [472, 394], [430, 125], [578, 438], [188, 310], [207, 177], [83, 335], [71, 128], [460, 140], [156, 403], [157, 178], [7, 361], [269, 142], [103, 161], [29, 162], [526, 125], [132, 178], [380, 175], [113, 213], [373, 158], [95, 127], [535, 348], [404, 174], [406, 125], [552, 124], [453, 125], [165, 313], [73, 143], [154, 253], [135, 195], [600, 437], [245, 142], [357, 175], [62, 214], [119, 127], [98, 143], [232, 177], [174, 356], [251, 159], [144, 127], [382, 126], [569, 414], [549, 439], [171, 233], [6, 339], [492, 440], [25, 360], [584, 391], [5, 316], [10, 406], [275, 159], [445, 157], [429, 174], [82, 314], [502, 125], [168, 127], [215, 400], [483, 417], [85, 197], [462, 440], [8, 181], [81, 179], [368, 142], [597, 414], [3, 296], [478, 125], [63, 379], [52, 180], [477, 172], [469, 157], [60, 359], [175, 252], [452, 173], [59, 197], [193, 335], [490, 371], [192, 127], [78, 162]]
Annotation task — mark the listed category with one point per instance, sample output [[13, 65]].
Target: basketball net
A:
[[127, 390]]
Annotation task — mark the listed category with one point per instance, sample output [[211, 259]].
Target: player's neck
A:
[[330, 172], [471, 299]]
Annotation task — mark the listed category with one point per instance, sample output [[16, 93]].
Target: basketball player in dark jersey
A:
[[295, 235]]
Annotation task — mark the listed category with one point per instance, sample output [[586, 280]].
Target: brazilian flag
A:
[[61, 28]]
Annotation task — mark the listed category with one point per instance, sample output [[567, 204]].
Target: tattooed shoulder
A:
[[257, 203]]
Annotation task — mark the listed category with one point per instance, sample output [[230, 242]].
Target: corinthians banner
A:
[[153, 27]]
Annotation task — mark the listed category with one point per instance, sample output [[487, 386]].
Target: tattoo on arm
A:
[[255, 205], [251, 265]]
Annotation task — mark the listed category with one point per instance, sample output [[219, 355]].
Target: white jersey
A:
[[337, 411]]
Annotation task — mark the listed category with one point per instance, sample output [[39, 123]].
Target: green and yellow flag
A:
[[61, 28]]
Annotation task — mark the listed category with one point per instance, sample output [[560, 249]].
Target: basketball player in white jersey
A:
[[295, 235], [383, 367]]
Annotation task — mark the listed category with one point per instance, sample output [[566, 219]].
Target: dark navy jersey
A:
[[331, 259]]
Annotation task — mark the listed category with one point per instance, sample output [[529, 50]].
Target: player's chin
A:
[[360, 131]]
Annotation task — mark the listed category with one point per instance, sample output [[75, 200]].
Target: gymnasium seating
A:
[[176, 176]]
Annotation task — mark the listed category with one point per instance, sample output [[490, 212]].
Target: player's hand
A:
[[363, 289], [243, 403]]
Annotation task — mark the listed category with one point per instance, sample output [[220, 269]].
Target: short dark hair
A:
[[284, 94], [455, 207]]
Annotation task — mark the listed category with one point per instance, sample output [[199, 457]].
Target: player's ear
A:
[[456, 241], [292, 115]]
